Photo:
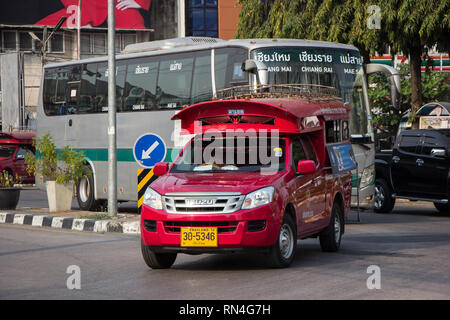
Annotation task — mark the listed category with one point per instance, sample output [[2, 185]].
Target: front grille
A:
[[222, 226], [202, 203]]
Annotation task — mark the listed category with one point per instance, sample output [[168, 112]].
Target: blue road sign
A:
[[149, 149]]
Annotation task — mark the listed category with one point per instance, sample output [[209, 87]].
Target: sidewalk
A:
[[28, 213], [73, 220]]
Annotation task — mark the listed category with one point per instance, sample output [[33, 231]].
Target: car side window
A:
[[309, 150], [430, 143], [409, 143], [298, 153]]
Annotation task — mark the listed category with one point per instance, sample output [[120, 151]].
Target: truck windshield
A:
[[238, 154], [333, 67]]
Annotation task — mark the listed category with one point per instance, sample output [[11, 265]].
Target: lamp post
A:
[[112, 142], [79, 30]]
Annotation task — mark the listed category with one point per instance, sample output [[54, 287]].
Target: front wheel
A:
[[283, 251], [383, 202], [157, 260]]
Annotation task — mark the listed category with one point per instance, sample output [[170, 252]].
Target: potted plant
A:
[[60, 170], [9, 194]]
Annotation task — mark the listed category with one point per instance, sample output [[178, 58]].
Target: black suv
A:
[[418, 168]]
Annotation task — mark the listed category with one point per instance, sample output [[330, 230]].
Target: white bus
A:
[[156, 79]]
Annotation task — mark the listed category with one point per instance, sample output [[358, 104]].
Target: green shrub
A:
[[47, 159]]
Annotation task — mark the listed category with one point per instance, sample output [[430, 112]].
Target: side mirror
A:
[[258, 68], [437, 152], [306, 167], [394, 80], [161, 168]]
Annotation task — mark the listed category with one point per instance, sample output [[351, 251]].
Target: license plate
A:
[[199, 237]]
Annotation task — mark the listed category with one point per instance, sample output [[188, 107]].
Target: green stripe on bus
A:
[[123, 155]]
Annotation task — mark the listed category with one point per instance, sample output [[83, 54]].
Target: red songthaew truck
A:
[[261, 171]]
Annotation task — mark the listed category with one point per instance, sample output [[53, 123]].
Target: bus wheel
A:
[[157, 260], [283, 251], [85, 191], [442, 208]]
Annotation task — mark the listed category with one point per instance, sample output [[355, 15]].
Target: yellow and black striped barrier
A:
[[144, 178]]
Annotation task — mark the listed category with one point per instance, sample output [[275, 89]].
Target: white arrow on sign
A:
[[146, 153]]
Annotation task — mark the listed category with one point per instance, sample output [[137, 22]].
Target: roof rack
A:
[[304, 91], [169, 44]]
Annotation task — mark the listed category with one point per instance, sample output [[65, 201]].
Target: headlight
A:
[[368, 176], [258, 198], [152, 199]]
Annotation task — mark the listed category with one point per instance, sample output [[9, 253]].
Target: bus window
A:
[[140, 86], [61, 83], [174, 81], [201, 84], [87, 91], [101, 87], [345, 130], [228, 62], [49, 96]]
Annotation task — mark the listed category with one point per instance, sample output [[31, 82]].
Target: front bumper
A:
[[244, 229], [366, 197]]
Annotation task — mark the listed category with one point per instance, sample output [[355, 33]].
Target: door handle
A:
[[395, 159], [419, 162]]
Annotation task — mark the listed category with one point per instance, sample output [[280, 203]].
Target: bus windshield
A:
[[334, 67]]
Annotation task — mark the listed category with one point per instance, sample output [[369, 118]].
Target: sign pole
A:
[[112, 142]]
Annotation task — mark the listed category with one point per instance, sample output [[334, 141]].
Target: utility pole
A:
[[79, 30], [112, 141], [46, 39]]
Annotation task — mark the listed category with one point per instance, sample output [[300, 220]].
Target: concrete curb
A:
[[99, 226]]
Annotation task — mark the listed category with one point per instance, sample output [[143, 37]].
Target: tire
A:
[[330, 238], [383, 200], [157, 260], [283, 251], [442, 208], [86, 192]]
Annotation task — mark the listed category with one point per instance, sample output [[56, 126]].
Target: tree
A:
[[434, 88], [407, 26], [412, 27]]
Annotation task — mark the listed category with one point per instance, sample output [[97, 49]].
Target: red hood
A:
[[214, 182]]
